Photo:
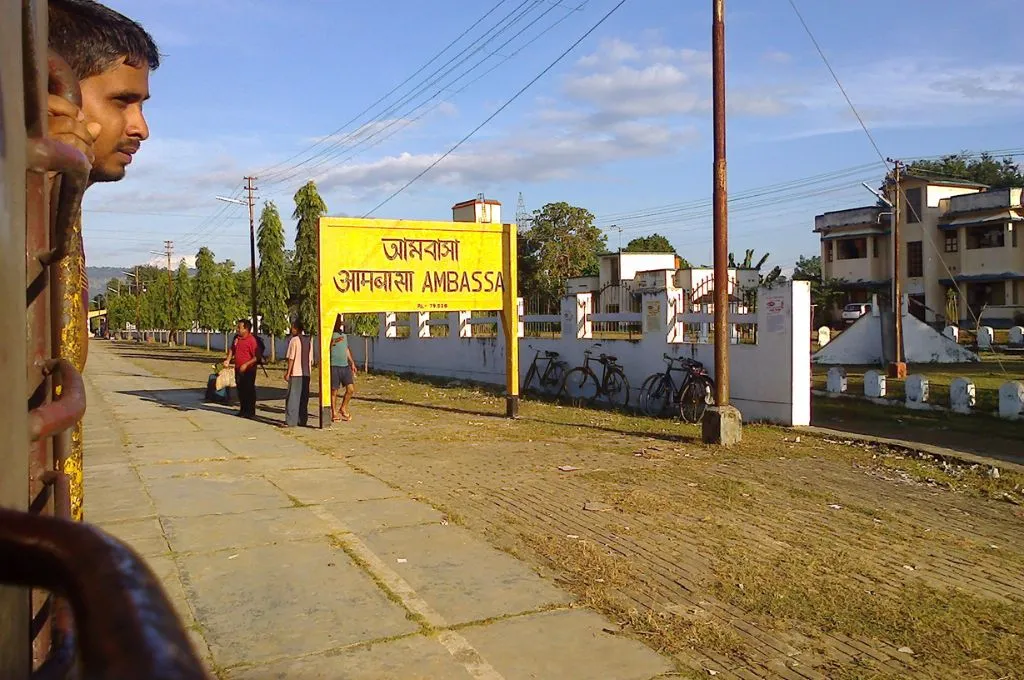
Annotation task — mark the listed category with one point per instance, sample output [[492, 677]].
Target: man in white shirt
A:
[[300, 368]]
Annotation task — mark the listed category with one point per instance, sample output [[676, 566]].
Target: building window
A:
[[851, 249], [874, 246], [915, 206], [986, 237], [952, 242], [1013, 238], [915, 259], [828, 251]]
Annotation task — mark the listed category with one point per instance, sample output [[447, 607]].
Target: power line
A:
[[492, 32], [402, 120], [267, 171], [499, 109], [821, 53]]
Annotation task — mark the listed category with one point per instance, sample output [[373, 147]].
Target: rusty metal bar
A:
[[721, 206], [127, 628], [61, 414]]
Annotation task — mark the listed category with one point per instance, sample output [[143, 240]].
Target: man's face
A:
[[242, 330], [114, 99]]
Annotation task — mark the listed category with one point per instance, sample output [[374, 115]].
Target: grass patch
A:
[[599, 579], [817, 588]]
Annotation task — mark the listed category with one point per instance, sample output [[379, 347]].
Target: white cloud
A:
[[777, 57]]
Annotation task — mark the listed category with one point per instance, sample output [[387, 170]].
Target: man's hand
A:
[[353, 367], [67, 123], [227, 363]]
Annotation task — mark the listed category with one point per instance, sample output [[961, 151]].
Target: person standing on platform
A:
[[245, 352], [297, 374], [343, 373]]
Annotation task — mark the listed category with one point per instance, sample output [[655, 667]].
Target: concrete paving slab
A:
[[216, 494], [413, 658], [331, 483], [107, 503], [363, 517], [461, 577], [568, 645], [144, 536], [286, 600], [176, 449], [259, 527], [233, 467], [165, 569]]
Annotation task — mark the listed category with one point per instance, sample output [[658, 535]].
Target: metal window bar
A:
[[90, 602]]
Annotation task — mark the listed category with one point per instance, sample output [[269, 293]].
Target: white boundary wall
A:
[[771, 381]]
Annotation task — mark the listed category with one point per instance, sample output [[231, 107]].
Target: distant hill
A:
[[100, 276]]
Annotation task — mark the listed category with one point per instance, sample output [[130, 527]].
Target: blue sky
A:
[[622, 126]]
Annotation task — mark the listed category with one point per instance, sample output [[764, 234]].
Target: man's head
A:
[[296, 327], [244, 327], [112, 57], [339, 324]]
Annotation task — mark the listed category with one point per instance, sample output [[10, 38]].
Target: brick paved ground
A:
[[781, 558]]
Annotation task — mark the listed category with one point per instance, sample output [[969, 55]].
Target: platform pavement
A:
[[284, 562]]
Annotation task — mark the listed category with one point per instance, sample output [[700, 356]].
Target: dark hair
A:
[[338, 324], [297, 325], [246, 323], [92, 37]]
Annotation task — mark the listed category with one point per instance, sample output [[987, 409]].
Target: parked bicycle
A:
[[582, 385], [659, 394], [549, 380]]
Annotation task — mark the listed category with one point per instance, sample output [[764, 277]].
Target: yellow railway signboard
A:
[[373, 265], [380, 265]]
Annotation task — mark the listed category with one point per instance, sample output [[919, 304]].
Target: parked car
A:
[[855, 310]]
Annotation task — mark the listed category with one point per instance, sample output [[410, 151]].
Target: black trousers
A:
[[246, 384]]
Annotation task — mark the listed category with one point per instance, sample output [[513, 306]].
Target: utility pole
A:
[[898, 368], [169, 247], [722, 422], [250, 189]]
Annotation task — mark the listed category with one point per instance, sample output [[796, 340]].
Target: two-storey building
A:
[[981, 254], [954, 236]]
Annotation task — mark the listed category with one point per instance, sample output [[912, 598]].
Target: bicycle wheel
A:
[[656, 395], [528, 380], [580, 386], [552, 382], [694, 400], [616, 390]]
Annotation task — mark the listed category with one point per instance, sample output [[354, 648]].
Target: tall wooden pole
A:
[[250, 189], [721, 423], [721, 207]]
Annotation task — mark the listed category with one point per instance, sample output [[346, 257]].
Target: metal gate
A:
[[71, 597]]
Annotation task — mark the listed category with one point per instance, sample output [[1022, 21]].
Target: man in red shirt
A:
[[245, 352]]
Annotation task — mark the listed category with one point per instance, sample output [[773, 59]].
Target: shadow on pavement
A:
[[678, 438]]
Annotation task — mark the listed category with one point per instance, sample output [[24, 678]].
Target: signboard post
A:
[[380, 265]]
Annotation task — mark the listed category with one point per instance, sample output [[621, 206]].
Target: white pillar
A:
[[985, 337], [952, 332], [390, 325], [465, 327], [1017, 335], [520, 308], [824, 336], [1011, 399], [962, 395], [579, 308], [422, 324], [916, 389], [874, 385], [836, 382]]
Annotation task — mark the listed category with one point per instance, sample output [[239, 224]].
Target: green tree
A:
[[230, 305], [309, 208], [562, 242], [205, 290], [120, 311], [655, 243], [826, 292], [982, 168], [272, 278], [183, 301]]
